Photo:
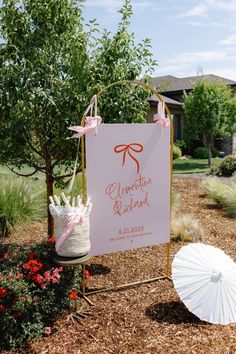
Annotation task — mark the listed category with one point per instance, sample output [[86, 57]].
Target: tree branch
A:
[[56, 178], [22, 174], [32, 146]]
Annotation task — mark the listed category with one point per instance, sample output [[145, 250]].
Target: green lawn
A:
[[39, 177], [193, 165], [179, 166]]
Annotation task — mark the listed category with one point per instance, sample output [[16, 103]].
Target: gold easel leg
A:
[[168, 249], [83, 279]]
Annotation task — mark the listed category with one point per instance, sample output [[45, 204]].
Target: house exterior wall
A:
[[176, 115], [227, 145]]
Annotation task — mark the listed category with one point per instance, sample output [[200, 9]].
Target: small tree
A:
[[50, 66], [210, 111]]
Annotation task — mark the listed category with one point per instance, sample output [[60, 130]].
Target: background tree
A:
[[51, 63], [210, 111]]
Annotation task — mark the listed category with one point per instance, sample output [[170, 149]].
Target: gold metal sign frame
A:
[[85, 259]]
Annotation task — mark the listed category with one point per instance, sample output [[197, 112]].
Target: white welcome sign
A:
[[128, 179]]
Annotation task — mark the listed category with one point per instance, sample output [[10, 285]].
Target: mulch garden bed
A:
[[148, 318]]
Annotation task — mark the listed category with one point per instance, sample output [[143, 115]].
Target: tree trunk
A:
[[207, 140], [49, 183], [209, 155]]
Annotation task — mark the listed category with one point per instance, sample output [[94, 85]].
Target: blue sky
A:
[[188, 36]]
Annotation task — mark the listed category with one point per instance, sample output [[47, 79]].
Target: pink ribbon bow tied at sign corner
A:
[[91, 124], [160, 117]]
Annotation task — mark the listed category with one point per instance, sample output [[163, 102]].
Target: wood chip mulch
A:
[[148, 318]]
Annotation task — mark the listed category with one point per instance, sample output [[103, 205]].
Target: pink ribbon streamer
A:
[[90, 125], [160, 117], [72, 219]]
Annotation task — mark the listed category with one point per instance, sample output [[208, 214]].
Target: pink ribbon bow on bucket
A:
[[72, 219]]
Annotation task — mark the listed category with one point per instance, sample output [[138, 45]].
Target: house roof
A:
[[174, 84], [167, 100]]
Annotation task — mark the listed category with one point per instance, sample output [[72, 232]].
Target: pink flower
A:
[[36, 298], [47, 275], [19, 276], [47, 331], [10, 275], [55, 279]]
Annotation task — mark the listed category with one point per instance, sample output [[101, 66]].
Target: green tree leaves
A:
[[210, 111], [51, 63]]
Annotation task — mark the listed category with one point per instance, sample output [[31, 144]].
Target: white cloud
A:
[[197, 57], [230, 40], [112, 6], [225, 5], [145, 5], [188, 63], [198, 10], [228, 72], [206, 24]]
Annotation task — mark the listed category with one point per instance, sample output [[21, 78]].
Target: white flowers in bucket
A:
[[72, 227]]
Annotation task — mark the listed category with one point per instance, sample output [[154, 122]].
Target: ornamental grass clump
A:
[[33, 292], [223, 193], [20, 201], [184, 227], [215, 189]]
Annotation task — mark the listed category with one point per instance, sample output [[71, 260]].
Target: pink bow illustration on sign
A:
[[91, 125], [129, 148], [160, 117]]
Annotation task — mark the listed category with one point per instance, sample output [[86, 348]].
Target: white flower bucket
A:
[[72, 230], [77, 243]]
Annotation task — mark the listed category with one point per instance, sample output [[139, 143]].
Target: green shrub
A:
[[33, 292], [176, 152], [200, 153], [214, 152], [20, 201], [181, 144], [227, 167]]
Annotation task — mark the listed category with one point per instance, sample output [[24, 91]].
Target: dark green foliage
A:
[[182, 144], [227, 166], [201, 152], [214, 152]]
